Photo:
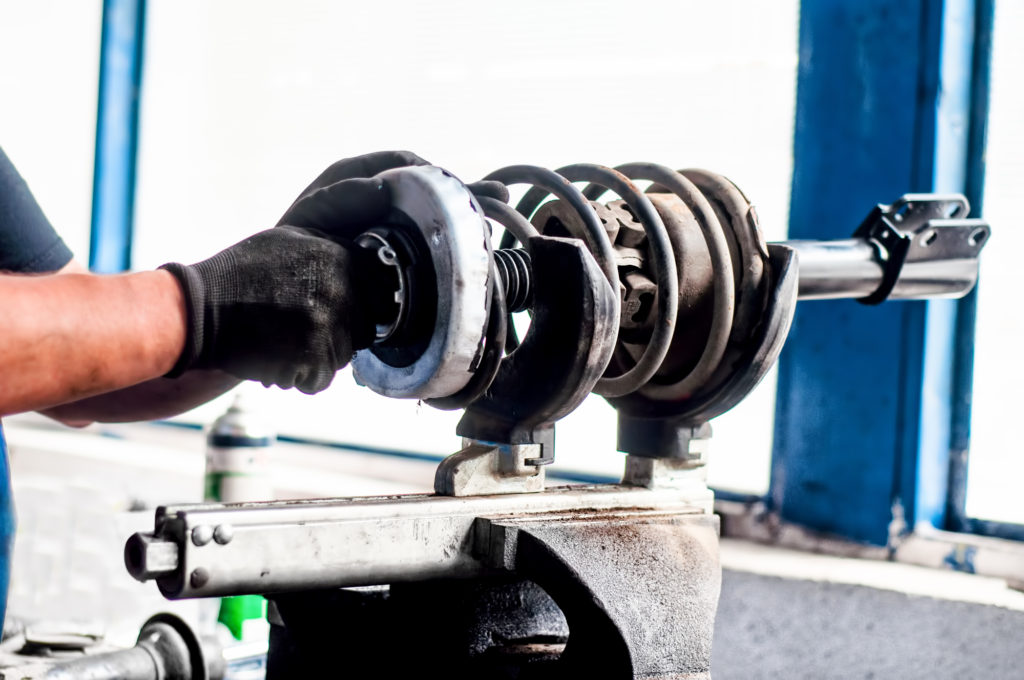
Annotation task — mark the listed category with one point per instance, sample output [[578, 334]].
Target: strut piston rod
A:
[[855, 268], [829, 270], [946, 265]]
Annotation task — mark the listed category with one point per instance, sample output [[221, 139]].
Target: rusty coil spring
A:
[[726, 267]]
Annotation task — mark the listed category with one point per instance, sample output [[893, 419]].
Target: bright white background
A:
[[49, 62]]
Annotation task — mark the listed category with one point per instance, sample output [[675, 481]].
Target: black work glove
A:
[[346, 199], [278, 307]]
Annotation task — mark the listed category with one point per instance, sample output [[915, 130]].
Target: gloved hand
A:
[[346, 200], [278, 307]]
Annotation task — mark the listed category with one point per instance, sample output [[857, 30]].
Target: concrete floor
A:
[[773, 627]]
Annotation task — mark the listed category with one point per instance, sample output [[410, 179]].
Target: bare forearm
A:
[[73, 336], [151, 400]]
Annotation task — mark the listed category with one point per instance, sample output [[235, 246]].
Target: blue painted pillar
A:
[[117, 126], [963, 378], [863, 410]]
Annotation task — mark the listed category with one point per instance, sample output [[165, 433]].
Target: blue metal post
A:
[[865, 394], [963, 380], [117, 126], [951, 168]]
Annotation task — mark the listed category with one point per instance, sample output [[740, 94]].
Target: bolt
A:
[[223, 534], [199, 578], [148, 557], [201, 535]]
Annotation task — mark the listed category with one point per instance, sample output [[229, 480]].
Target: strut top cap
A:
[[448, 221]]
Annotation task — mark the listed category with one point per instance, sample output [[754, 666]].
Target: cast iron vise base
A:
[[600, 595]]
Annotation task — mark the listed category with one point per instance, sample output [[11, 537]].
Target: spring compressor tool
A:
[[667, 302]]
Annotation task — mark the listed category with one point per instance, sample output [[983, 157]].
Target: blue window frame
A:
[[873, 405]]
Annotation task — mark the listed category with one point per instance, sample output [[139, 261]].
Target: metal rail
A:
[[213, 549]]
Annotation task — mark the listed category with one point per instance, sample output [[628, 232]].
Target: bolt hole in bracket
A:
[[929, 233]]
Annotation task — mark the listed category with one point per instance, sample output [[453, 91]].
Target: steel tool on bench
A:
[[669, 304]]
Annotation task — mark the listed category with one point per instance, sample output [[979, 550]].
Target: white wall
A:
[[245, 102], [49, 62]]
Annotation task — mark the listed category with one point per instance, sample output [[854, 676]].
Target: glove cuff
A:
[[194, 292]]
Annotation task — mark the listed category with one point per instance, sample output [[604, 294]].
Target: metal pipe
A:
[[127, 664], [849, 268], [167, 649], [853, 268]]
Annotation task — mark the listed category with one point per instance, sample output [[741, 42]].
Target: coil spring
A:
[[735, 251], [513, 266]]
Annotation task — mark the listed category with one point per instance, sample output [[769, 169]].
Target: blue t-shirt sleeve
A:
[[28, 243]]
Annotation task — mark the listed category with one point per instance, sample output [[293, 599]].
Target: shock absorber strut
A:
[[666, 300]]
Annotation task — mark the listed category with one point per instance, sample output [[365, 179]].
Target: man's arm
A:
[[73, 336], [150, 400], [277, 307]]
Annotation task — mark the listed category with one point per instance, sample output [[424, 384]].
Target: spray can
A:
[[237, 461], [237, 455]]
